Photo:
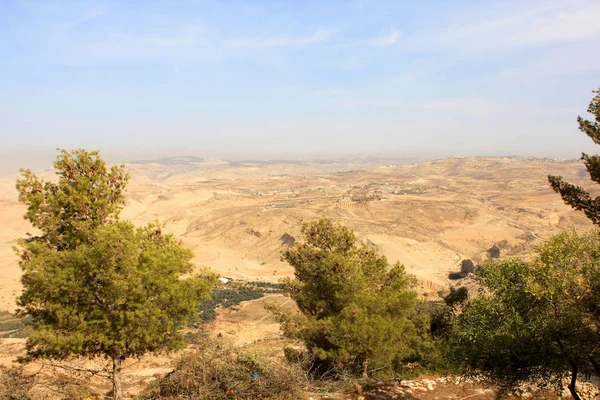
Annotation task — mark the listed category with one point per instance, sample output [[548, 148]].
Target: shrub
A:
[[15, 384], [494, 251], [441, 315], [218, 370], [467, 266], [11, 326], [534, 320]]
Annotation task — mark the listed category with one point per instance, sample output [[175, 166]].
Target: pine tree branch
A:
[[577, 197]]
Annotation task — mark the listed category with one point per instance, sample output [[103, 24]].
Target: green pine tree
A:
[[355, 309], [575, 195], [87, 195], [96, 286]]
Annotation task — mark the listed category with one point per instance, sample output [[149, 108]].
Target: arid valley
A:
[[315, 200], [239, 217]]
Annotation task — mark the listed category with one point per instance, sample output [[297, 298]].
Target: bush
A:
[[218, 370], [14, 383], [442, 315], [467, 266], [534, 320], [456, 296], [494, 251]]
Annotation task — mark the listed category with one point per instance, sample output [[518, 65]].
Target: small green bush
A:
[[494, 251], [467, 266]]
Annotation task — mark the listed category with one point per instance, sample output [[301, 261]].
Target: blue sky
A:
[[288, 79]]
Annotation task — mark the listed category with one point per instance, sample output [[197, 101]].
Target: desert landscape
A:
[[238, 217], [366, 200]]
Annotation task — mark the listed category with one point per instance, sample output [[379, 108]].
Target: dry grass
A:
[[219, 370]]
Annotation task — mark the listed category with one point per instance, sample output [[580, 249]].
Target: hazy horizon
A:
[[10, 165], [287, 80]]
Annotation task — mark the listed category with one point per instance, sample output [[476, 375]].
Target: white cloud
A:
[[386, 40], [89, 16], [320, 35], [532, 25], [559, 27]]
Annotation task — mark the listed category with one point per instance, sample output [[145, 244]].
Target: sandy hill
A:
[[429, 216]]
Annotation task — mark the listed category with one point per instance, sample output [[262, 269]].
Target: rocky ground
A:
[[442, 387]]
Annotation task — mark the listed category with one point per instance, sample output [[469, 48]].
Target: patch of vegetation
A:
[[494, 251], [441, 312], [95, 286], [219, 370], [14, 383], [536, 320], [288, 239], [232, 294], [357, 311], [467, 266], [11, 326]]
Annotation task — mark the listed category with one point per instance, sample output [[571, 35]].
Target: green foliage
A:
[[575, 195], [119, 295], [441, 316], [11, 326], [95, 286], [494, 251], [355, 309], [230, 295], [87, 196], [456, 296], [218, 370], [467, 266], [536, 320]]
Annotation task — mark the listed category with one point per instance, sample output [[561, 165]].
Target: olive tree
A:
[[534, 320]]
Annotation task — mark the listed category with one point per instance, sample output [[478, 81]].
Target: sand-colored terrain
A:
[[428, 216], [239, 217]]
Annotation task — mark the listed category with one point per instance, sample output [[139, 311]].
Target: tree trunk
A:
[[572, 387], [116, 379]]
